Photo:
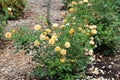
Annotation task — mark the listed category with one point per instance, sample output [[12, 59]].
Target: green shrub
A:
[[105, 16], [12, 8]]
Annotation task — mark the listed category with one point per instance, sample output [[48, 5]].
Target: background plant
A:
[[12, 8]]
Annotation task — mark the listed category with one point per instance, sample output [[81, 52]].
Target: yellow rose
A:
[[42, 37], [57, 48], [48, 31], [72, 60], [90, 52], [62, 60], [73, 3], [8, 35], [9, 9], [67, 44], [65, 20], [71, 10], [37, 27], [54, 37], [51, 41], [63, 51], [71, 31], [93, 27], [85, 1], [62, 26], [92, 42], [94, 32], [55, 25], [36, 43], [80, 2]]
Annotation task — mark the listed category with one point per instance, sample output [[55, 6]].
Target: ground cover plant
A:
[[64, 51]]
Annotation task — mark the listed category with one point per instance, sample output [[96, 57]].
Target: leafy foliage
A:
[[12, 8]]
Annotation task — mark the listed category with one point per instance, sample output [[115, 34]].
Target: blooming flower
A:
[[46, 38], [80, 2], [94, 32], [9, 9], [73, 3], [54, 37], [42, 37], [92, 42], [37, 27], [48, 31], [55, 25], [57, 48], [63, 51], [71, 31], [85, 1], [67, 44], [65, 20], [62, 60], [51, 41], [8, 35], [90, 52], [93, 27], [71, 10], [36, 43]]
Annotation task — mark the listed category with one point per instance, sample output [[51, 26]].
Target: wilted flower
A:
[[63, 51], [37, 27], [8, 35], [36, 43], [57, 48], [67, 44], [51, 41], [62, 60]]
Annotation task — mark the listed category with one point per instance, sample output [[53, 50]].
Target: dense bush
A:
[[12, 8], [106, 18], [64, 51]]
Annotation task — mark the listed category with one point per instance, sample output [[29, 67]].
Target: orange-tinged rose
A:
[[71, 31], [71, 10], [8, 35], [63, 51], [62, 60], [46, 38], [57, 48]]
